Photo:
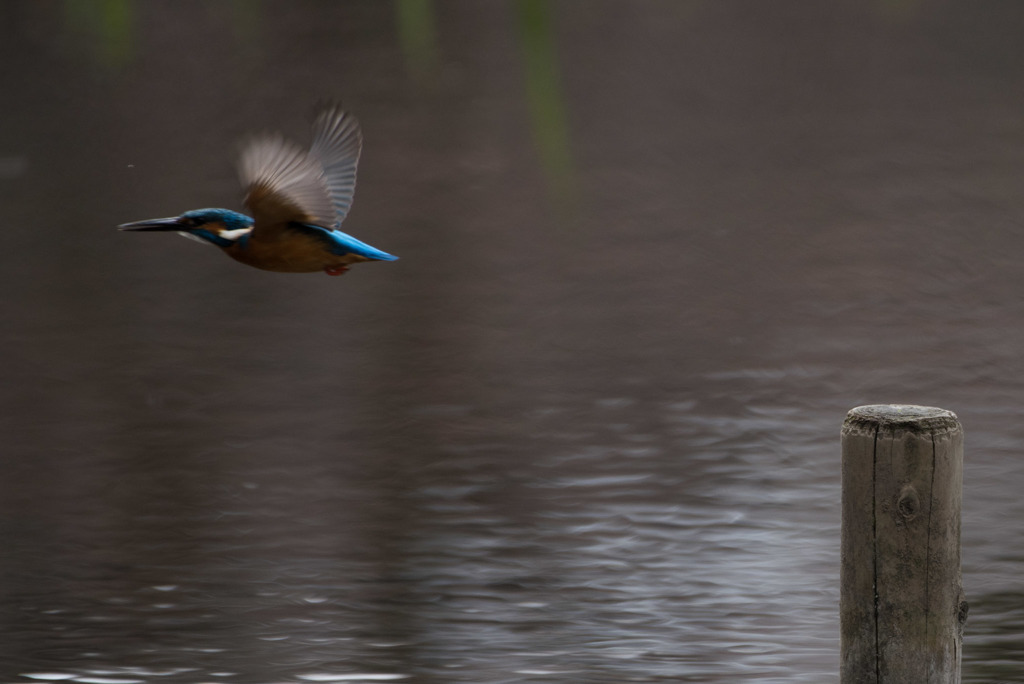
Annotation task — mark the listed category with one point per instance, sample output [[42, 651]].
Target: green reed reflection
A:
[[544, 98], [110, 24], [417, 34]]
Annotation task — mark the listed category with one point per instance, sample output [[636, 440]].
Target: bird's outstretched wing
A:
[[285, 184], [337, 142]]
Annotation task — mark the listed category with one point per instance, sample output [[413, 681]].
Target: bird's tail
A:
[[351, 245]]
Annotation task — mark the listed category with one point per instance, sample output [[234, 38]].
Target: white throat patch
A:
[[190, 236]]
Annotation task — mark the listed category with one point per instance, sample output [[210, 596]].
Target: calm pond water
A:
[[587, 428]]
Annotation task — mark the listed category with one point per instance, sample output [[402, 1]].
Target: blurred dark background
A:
[[586, 429]]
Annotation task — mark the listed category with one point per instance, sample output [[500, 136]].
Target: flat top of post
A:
[[903, 416]]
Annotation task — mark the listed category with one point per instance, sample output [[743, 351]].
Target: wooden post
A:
[[902, 608]]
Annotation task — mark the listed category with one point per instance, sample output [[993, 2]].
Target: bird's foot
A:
[[336, 270]]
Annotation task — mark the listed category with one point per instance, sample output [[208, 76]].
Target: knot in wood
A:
[[908, 505], [961, 612]]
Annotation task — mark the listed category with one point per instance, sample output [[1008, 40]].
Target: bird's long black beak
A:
[[173, 223]]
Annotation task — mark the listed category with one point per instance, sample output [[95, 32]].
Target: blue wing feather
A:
[[342, 243]]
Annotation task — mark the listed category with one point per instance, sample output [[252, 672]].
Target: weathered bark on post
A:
[[902, 608]]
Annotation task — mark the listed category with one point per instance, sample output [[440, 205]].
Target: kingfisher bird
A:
[[298, 199]]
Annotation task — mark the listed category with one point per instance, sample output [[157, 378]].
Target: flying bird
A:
[[298, 199]]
